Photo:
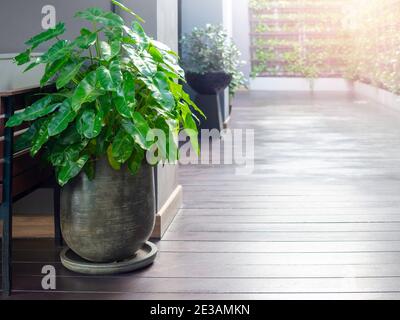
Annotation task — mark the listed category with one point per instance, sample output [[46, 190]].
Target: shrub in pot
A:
[[114, 85], [211, 60]]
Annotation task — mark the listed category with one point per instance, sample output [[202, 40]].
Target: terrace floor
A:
[[318, 218]]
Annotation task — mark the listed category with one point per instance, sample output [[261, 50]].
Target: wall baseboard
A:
[[168, 212], [299, 84]]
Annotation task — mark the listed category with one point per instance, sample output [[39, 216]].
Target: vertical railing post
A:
[[6, 206]]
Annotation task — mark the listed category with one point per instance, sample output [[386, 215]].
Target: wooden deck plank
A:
[[319, 218]]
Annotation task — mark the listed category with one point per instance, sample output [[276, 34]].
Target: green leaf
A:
[[23, 57], [170, 148], [191, 129], [122, 146], [24, 141], [40, 138], [128, 88], [61, 119], [144, 39], [163, 47], [52, 69], [138, 130], [109, 51], [89, 124], [135, 161], [160, 91], [127, 10], [56, 51], [38, 109], [71, 169], [86, 39], [68, 73], [46, 35], [113, 163], [69, 136], [104, 104], [90, 169], [106, 18], [142, 62], [189, 101], [104, 79], [124, 108], [102, 142], [115, 72], [86, 91], [168, 59], [60, 153]]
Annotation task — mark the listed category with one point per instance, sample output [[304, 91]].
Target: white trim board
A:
[[299, 84], [12, 76]]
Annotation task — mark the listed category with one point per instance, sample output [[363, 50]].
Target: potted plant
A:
[[113, 85], [210, 59]]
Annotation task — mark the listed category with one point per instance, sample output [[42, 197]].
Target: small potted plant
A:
[[210, 59], [113, 85]]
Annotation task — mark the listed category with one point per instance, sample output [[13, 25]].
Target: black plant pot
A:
[[208, 83]]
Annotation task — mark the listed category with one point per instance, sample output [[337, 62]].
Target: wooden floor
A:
[[319, 218]]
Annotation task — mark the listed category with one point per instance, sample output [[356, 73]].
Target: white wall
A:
[[167, 23], [198, 13]]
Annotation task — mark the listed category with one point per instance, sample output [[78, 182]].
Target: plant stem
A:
[[98, 52], [91, 55]]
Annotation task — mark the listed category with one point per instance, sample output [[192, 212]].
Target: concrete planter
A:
[[110, 218], [376, 94]]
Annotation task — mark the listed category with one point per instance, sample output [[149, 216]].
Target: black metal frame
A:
[[6, 208]]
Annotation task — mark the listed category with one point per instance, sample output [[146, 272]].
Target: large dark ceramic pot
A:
[[109, 218], [208, 83]]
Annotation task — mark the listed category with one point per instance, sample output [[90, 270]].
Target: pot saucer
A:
[[144, 257]]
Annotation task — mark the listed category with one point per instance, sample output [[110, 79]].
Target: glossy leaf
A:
[[46, 35], [23, 57], [69, 136], [52, 69], [159, 87], [122, 146], [98, 15], [38, 109], [86, 39], [89, 124], [191, 130], [24, 141], [138, 130], [109, 51], [144, 64], [86, 91], [61, 119], [71, 169], [40, 138], [135, 161], [104, 79], [113, 163], [90, 169], [68, 73], [56, 51], [115, 72]]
